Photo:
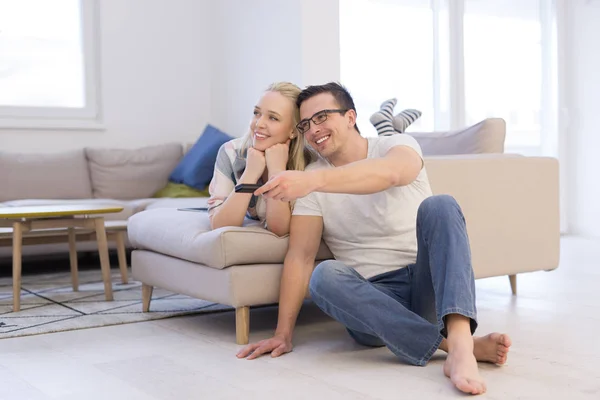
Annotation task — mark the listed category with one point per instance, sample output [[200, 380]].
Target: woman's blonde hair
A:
[[299, 156]]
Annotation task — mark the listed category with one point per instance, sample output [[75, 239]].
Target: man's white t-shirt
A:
[[372, 233]]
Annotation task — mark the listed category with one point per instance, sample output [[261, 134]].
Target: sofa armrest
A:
[[511, 205], [187, 235]]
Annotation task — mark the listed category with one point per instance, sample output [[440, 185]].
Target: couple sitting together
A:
[[402, 274]]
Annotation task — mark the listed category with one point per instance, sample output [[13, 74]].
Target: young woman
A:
[[272, 145]]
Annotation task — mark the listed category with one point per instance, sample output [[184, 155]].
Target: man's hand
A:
[[277, 346], [290, 185], [277, 157]]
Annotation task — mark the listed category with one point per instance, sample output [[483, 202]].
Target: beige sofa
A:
[[121, 177], [510, 203]]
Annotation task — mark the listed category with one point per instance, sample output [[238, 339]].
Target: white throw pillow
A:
[[486, 136]]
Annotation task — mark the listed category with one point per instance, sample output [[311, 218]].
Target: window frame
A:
[[87, 117]]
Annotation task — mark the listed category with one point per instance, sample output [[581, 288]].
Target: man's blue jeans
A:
[[405, 309]]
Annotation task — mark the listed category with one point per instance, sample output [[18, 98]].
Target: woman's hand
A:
[[255, 166], [277, 157]]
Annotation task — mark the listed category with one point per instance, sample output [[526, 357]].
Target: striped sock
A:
[[382, 119], [403, 119]]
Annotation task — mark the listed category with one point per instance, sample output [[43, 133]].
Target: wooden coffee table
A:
[[59, 217]]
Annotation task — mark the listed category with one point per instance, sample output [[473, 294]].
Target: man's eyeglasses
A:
[[318, 118]]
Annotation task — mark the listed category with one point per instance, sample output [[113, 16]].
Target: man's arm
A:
[[305, 237], [399, 167]]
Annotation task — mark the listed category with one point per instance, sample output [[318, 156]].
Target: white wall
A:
[[259, 42], [583, 134], [320, 41], [155, 68], [254, 43], [170, 67]]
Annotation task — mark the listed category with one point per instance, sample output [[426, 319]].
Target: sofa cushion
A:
[[486, 136], [139, 205], [197, 166], [184, 202], [132, 173], [187, 235], [61, 175]]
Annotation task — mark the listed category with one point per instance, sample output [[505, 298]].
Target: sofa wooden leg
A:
[[513, 283], [146, 296], [242, 325]]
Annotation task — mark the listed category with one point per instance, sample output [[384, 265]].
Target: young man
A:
[[371, 202]]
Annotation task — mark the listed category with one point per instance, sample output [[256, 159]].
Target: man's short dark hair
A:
[[337, 90]]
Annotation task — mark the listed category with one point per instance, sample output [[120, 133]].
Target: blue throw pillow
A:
[[197, 166]]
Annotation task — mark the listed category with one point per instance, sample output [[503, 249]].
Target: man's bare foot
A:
[[461, 365], [492, 348], [461, 368]]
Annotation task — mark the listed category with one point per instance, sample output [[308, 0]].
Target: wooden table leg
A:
[[104, 260], [17, 253], [120, 239], [73, 259]]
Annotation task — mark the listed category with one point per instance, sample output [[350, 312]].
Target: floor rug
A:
[[49, 304]]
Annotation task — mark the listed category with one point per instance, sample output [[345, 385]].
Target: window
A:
[[509, 60], [47, 64], [386, 51], [458, 61]]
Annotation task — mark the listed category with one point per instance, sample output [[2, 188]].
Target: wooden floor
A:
[[554, 322]]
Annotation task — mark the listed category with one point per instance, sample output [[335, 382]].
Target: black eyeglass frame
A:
[[324, 113]]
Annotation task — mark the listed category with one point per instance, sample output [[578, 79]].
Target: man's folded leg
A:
[[442, 279], [372, 310]]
